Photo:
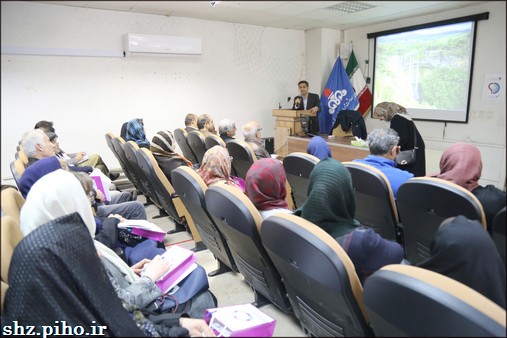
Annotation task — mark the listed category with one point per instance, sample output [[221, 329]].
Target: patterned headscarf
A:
[[163, 144], [318, 147], [135, 132], [331, 203], [461, 164], [388, 110], [265, 184], [216, 166]]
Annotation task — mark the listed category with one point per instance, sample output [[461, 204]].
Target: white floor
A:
[[229, 287]]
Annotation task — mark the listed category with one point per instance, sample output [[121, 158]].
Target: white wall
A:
[[486, 124], [243, 73]]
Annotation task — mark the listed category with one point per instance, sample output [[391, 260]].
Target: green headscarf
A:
[[330, 204]]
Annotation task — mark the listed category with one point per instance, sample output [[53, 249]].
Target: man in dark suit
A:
[[308, 101]]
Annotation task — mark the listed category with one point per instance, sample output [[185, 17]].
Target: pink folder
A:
[[181, 263]]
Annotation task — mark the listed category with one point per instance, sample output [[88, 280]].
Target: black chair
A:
[[180, 135], [196, 142], [240, 222], [191, 189], [423, 204], [213, 140], [298, 167], [125, 165], [169, 201], [408, 301], [242, 155], [498, 232], [375, 204], [320, 279]]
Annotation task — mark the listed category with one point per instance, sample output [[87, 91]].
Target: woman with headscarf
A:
[[463, 250], [405, 127], [331, 205], [60, 193], [319, 148], [265, 186], [163, 148], [461, 164], [216, 168], [135, 132]]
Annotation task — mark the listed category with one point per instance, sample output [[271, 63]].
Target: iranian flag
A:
[[362, 91]]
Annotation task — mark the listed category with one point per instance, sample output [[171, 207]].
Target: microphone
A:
[[280, 105], [297, 101]]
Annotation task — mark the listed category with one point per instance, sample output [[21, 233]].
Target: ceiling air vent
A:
[[349, 7]]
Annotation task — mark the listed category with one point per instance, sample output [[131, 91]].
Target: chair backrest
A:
[[17, 169], [166, 194], [196, 142], [191, 189], [118, 143], [423, 204], [11, 236], [404, 300], [323, 287], [298, 167], [22, 156], [12, 201], [240, 222], [242, 155], [498, 232], [146, 187], [213, 140], [375, 204], [180, 135], [109, 140], [160, 187]]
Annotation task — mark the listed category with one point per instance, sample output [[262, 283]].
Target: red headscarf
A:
[[265, 184], [461, 164]]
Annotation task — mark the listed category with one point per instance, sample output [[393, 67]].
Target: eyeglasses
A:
[[259, 129]]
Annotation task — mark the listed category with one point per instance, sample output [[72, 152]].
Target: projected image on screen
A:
[[428, 71]]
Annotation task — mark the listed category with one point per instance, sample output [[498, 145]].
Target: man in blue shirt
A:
[[383, 144]]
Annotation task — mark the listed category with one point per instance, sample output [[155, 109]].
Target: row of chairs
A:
[[412, 220], [194, 145], [142, 169], [301, 269]]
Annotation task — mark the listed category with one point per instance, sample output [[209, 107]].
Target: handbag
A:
[[407, 157]]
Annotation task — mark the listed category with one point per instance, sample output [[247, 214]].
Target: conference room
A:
[[91, 66]]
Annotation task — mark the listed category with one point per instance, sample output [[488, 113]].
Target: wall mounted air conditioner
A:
[[161, 44]]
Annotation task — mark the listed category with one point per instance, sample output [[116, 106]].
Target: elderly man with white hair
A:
[[227, 129], [252, 135]]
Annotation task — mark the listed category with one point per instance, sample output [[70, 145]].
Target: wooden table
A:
[[341, 149]]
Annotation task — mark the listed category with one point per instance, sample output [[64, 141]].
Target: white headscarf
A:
[[57, 194]]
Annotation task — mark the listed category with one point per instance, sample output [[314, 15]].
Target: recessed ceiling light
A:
[[349, 7]]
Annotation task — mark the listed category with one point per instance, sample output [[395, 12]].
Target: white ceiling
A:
[[300, 15]]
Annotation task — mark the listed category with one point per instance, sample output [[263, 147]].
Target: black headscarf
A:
[[56, 275], [464, 251]]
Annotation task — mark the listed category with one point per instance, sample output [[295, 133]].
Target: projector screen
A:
[[427, 70]]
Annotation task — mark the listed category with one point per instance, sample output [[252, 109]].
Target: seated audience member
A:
[[383, 144], [461, 164], [216, 168], [252, 135], [463, 250], [191, 123], [351, 120], [34, 172], [206, 125], [36, 145], [163, 149], [319, 148], [265, 186], [331, 205], [135, 132], [79, 161], [134, 285], [227, 130]]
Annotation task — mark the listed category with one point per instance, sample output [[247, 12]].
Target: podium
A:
[[287, 123]]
